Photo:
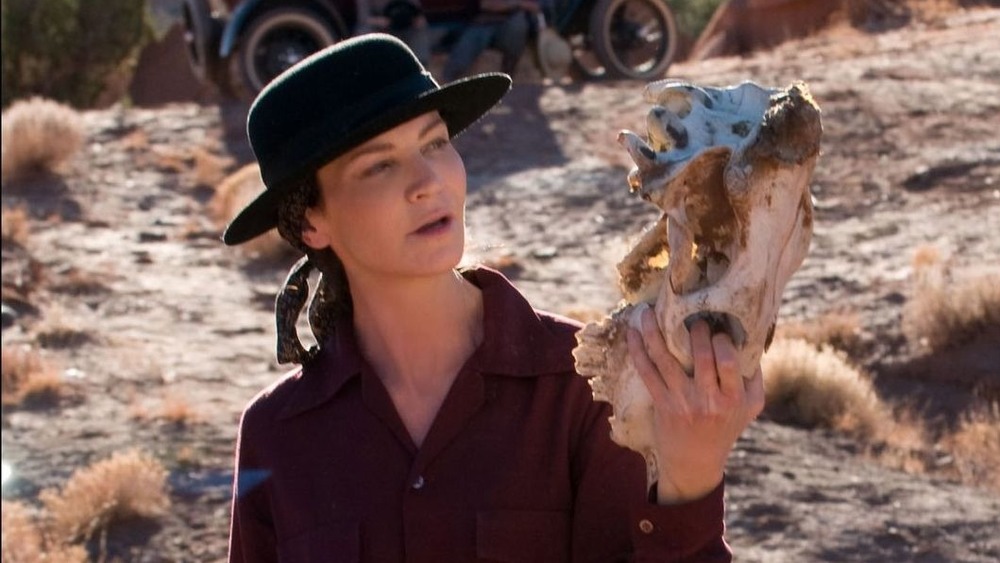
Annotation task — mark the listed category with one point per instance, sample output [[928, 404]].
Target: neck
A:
[[417, 333]]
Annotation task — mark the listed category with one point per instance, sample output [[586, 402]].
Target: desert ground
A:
[[126, 288]]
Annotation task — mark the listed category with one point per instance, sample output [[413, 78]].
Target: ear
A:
[[314, 233]]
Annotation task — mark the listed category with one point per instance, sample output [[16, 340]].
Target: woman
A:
[[440, 418]]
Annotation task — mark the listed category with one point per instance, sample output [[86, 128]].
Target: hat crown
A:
[[338, 89]]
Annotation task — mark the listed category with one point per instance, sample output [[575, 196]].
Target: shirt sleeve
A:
[[691, 531], [251, 534], [614, 519]]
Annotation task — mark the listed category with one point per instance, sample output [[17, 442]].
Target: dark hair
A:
[[332, 299]]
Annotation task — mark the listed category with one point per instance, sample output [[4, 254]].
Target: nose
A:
[[424, 179]]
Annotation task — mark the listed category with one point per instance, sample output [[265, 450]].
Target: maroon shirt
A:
[[517, 466]]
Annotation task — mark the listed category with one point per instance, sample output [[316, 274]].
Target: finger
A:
[[727, 365], [652, 336], [705, 376], [656, 345], [647, 370], [755, 394]]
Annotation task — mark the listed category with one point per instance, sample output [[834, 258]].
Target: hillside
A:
[[124, 282]]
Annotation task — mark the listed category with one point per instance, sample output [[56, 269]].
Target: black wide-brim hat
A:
[[338, 98]]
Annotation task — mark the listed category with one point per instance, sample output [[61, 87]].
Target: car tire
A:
[[200, 34], [273, 42], [634, 39]]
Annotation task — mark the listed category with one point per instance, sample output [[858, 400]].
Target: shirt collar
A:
[[518, 341]]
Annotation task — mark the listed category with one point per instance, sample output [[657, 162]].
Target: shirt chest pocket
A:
[[337, 542], [519, 536]]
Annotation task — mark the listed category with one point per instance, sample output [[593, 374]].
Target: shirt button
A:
[[646, 526], [418, 483]]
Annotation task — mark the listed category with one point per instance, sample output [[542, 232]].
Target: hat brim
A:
[[460, 103]]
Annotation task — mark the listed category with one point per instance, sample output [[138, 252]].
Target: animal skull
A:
[[730, 168]]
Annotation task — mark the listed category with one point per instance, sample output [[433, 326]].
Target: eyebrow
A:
[[379, 147]]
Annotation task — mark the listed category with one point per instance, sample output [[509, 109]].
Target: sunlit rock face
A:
[[730, 169]]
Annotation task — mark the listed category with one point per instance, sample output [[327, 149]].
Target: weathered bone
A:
[[730, 168]]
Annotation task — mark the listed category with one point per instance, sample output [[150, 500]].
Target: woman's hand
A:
[[698, 418]]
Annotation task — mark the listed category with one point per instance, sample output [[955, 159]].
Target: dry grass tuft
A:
[[881, 14], [39, 135], [231, 196], [170, 160], [903, 443], [976, 447], [945, 312], [136, 141], [173, 408], [28, 378], [176, 409], [75, 281], [127, 485], [816, 387], [59, 335], [187, 456], [841, 331], [16, 224], [59, 330], [25, 542], [926, 257], [209, 168]]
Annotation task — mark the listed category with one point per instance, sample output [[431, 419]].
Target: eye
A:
[[437, 144], [377, 168]]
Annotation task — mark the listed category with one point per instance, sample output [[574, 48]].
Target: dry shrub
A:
[[25, 542], [59, 334], [173, 408], [838, 330], [127, 485], [136, 141], [15, 225], [28, 378], [169, 159], [178, 410], [39, 135], [209, 168], [889, 14], [187, 456], [975, 446], [75, 281], [945, 312], [231, 196], [926, 258], [59, 330], [903, 442], [816, 387]]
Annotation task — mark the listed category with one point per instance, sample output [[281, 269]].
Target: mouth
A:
[[437, 225]]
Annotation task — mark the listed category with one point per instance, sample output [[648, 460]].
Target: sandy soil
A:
[[161, 311]]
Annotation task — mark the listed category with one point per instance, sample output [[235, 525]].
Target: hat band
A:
[[348, 119], [389, 96]]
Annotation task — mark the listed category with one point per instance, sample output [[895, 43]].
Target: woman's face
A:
[[395, 205]]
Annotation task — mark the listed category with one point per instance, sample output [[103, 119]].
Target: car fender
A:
[[235, 24], [248, 9]]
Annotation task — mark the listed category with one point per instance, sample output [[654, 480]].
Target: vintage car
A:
[[240, 45]]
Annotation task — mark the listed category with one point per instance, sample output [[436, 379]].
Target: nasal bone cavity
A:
[[668, 125]]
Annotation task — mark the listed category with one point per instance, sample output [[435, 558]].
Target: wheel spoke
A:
[[633, 38]]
